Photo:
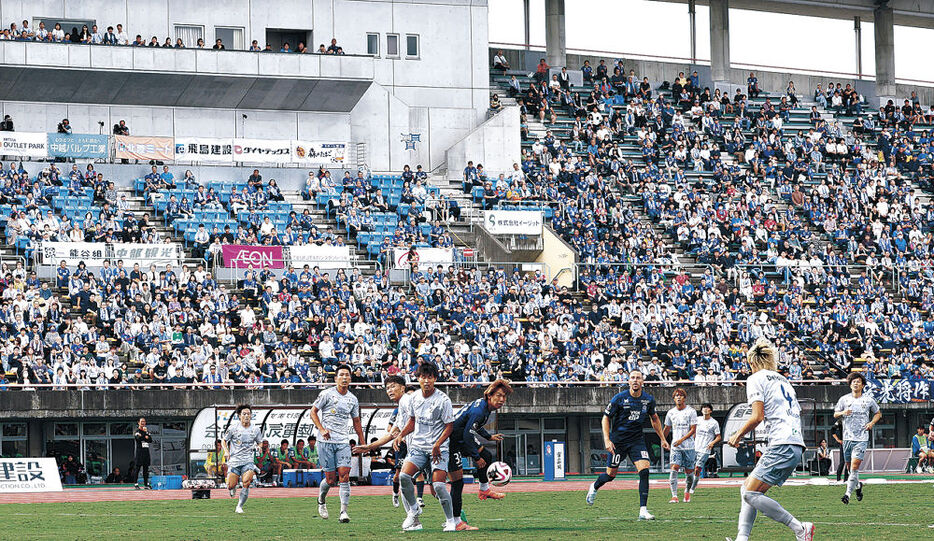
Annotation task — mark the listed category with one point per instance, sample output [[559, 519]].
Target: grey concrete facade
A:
[[884, 31], [720, 40], [555, 34]]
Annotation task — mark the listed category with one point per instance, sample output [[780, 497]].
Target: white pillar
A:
[[884, 27], [555, 36], [720, 40]]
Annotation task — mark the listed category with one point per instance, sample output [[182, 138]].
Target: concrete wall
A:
[[560, 258], [495, 144], [186, 403]]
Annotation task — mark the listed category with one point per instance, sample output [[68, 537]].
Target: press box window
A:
[[392, 45], [372, 44], [411, 46]]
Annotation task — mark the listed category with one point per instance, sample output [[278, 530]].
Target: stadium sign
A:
[[310, 153], [900, 391], [72, 253], [744, 456], [204, 149], [332, 257], [78, 145], [426, 257], [30, 145], [29, 475], [131, 147], [513, 222], [258, 257], [262, 150], [147, 254]]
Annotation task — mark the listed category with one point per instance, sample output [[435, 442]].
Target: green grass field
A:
[[889, 512]]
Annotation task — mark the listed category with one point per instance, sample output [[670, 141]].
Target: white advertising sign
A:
[[262, 150], [33, 145], [426, 257], [147, 254], [513, 222], [204, 149], [559, 460], [316, 153], [332, 257], [92, 253], [29, 475]]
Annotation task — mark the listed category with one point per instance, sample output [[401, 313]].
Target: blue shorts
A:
[[242, 469], [702, 457], [854, 450], [635, 450], [423, 461], [401, 454], [683, 457], [777, 464], [333, 455]]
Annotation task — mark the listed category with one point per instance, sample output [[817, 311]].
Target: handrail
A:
[[319, 385], [704, 61]]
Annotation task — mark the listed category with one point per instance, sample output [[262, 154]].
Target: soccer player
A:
[[623, 420], [239, 442], [468, 420], [395, 390], [773, 400], [681, 421], [339, 410], [705, 438], [431, 420], [921, 448], [855, 409]]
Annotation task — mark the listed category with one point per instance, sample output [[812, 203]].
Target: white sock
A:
[[689, 481], [852, 482], [673, 481], [484, 486], [772, 509], [747, 517], [345, 495], [441, 492], [323, 492], [643, 510]]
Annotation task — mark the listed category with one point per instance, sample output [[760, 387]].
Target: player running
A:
[[339, 410], [239, 442], [705, 438], [395, 390], [431, 419], [855, 409], [471, 419], [773, 400], [681, 421], [623, 420]]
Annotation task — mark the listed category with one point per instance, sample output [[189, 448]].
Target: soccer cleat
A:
[[464, 527], [344, 517], [491, 494], [591, 494], [645, 515], [845, 499], [807, 534], [395, 500], [674, 499], [322, 510], [919, 469], [137, 486], [421, 502], [463, 516], [859, 492], [239, 510], [411, 524], [233, 492], [148, 487], [687, 497]]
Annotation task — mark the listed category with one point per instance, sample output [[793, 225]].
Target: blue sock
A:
[[643, 487], [602, 480]]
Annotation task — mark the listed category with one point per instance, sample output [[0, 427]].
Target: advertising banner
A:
[[147, 254], [92, 253], [78, 145], [258, 257], [26, 144], [316, 154], [29, 475], [131, 147], [900, 391], [204, 149], [332, 257], [426, 257], [262, 150], [513, 222]]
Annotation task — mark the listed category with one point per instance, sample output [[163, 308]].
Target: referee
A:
[[141, 455]]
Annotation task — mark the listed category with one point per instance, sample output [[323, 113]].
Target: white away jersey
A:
[[337, 412], [707, 431], [681, 422], [782, 411], [241, 441], [862, 409], [402, 416], [432, 415]]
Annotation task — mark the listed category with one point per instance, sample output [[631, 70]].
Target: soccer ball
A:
[[499, 473]]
